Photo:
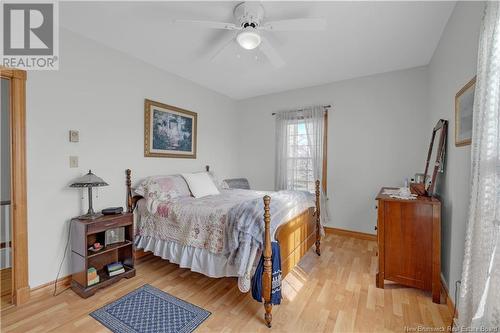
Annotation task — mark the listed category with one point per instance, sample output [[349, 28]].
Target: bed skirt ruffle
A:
[[196, 259]]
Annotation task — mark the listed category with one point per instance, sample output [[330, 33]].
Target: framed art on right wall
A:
[[464, 105]]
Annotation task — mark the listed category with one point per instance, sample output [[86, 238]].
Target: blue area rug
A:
[[150, 310]]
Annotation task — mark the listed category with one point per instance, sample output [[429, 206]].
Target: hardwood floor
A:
[[332, 293]]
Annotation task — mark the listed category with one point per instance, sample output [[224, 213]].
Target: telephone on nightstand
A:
[[112, 211]]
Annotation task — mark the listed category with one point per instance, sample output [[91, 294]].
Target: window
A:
[[299, 160], [301, 149]]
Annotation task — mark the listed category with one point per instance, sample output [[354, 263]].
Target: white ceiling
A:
[[362, 38]]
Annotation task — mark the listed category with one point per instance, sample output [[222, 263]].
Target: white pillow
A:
[[200, 184]]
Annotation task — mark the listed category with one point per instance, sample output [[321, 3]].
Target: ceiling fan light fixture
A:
[[248, 39]]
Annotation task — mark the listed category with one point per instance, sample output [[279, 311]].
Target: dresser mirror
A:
[[435, 157], [426, 182]]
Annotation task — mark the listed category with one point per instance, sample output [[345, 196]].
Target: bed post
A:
[[129, 191], [268, 270], [318, 220]]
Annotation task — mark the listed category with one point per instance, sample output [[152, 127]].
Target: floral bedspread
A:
[[218, 223], [198, 222]]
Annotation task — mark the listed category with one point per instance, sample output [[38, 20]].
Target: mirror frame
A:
[[440, 156]]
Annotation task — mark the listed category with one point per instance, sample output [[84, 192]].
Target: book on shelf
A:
[[119, 271], [92, 276], [115, 268], [91, 273], [93, 281]]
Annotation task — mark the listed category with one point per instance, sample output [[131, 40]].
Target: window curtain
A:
[[479, 302], [299, 151]]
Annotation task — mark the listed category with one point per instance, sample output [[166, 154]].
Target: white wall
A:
[[101, 92], [379, 128], [452, 66], [378, 133]]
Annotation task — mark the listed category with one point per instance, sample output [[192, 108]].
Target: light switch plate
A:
[[74, 136], [73, 161]]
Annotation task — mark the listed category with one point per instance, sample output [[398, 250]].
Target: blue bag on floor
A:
[[276, 277]]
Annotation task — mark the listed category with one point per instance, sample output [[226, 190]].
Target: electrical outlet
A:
[[73, 161], [74, 136]]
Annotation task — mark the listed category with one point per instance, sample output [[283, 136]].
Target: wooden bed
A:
[[295, 237]]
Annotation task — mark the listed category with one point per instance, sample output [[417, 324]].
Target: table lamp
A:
[[89, 180]]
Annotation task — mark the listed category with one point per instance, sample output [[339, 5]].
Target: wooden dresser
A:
[[409, 243]]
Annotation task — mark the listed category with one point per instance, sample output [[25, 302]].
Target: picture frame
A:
[[113, 236], [464, 105], [169, 131]]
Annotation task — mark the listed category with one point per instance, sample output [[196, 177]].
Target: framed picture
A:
[[464, 104], [169, 131]]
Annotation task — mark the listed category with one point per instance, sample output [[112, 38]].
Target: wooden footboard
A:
[[295, 237]]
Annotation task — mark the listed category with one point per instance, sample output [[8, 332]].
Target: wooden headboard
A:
[[132, 199]]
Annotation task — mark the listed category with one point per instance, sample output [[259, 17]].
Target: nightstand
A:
[[84, 233]]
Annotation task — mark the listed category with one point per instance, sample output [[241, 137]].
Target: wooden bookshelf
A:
[[84, 233]]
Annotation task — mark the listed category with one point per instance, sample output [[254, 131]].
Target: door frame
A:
[[19, 219]]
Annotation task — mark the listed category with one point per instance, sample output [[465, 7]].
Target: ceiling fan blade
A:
[[223, 48], [303, 24], [209, 24], [271, 54]]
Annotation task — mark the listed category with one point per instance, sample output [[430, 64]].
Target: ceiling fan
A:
[[249, 25]]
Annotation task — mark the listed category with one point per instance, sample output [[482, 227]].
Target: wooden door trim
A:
[[21, 289], [325, 154]]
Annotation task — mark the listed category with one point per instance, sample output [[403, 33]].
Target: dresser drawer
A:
[[119, 221]]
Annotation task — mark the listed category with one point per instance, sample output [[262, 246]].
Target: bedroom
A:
[[389, 72]]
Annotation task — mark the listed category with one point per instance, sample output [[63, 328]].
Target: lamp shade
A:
[[88, 180], [248, 39]]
